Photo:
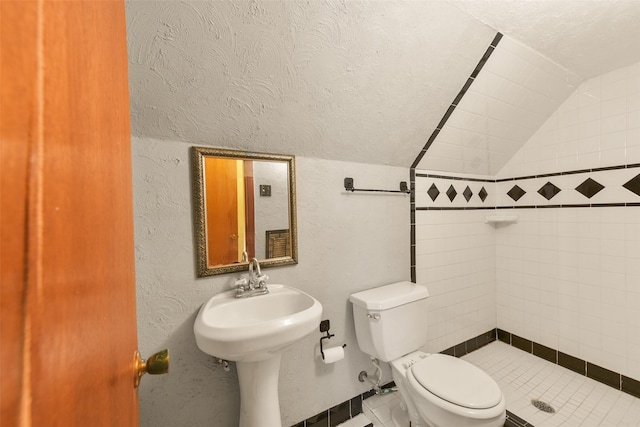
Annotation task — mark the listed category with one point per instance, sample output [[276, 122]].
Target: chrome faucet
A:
[[255, 285]]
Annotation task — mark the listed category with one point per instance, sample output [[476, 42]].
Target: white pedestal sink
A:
[[253, 332]]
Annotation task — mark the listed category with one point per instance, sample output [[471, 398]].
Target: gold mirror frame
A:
[[198, 180]]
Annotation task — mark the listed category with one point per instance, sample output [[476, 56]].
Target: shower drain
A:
[[543, 406]]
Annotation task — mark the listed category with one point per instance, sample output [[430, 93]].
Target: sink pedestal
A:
[[259, 404]]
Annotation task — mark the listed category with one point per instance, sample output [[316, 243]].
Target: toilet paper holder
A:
[[324, 327]]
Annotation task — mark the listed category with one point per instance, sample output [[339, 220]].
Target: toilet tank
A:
[[391, 320]]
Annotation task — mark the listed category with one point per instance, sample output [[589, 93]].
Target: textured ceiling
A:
[[363, 81], [588, 37]]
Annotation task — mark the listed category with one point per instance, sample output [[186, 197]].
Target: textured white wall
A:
[[347, 243], [362, 81]]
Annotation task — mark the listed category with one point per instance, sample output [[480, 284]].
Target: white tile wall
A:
[[455, 258], [513, 95], [598, 125], [570, 279], [567, 278]]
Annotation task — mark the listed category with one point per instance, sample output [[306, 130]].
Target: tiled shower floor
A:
[[578, 400]]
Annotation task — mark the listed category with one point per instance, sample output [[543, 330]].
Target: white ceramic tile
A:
[[578, 400]]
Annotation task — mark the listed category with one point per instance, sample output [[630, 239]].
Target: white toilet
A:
[[437, 390]]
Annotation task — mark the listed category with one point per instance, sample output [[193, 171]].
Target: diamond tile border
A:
[[633, 185], [516, 193], [468, 193], [549, 190], [452, 193], [589, 188], [557, 190]]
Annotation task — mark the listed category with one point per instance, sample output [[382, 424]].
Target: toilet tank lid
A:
[[389, 296]]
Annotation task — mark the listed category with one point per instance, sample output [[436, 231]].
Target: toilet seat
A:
[[449, 382], [457, 381]]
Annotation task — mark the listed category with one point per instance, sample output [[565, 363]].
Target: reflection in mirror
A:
[[244, 208]]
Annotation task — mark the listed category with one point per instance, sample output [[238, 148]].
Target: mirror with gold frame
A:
[[244, 208]]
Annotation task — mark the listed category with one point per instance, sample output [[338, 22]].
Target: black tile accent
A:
[[608, 168], [339, 413], [433, 192], [483, 61], [486, 338], [504, 336], [515, 421], [603, 375], [482, 194], [521, 343], [608, 205], [426, 147], [631, 386], [510, 423], [572, 363], [388, 385], [548, 191], [451, 193], [446, 117], [460, 350], [574, 172], [450, 351], [521, 178], [589, 188], [319, 420], [467, 193], [472, 344], [633, 185], [368, 394], [496, 39], [462, 92], [546, 353], [454, 178], [457, 99], [356, 406], [516, 193]]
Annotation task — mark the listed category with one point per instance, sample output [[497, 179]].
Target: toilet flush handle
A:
[[373, 316]]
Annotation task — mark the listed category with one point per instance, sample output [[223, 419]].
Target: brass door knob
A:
[[157, 364], [233, 237]]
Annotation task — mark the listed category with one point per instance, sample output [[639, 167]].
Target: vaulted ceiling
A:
[[363, 81]]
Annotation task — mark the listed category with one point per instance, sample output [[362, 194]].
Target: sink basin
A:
[[254, 328], [253, 332]]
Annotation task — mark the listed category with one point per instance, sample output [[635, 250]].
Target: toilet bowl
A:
[[436, 390], [442, 391]]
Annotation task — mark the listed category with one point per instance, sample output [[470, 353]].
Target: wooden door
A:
[[224, 233], [67, 262], [249, 209]]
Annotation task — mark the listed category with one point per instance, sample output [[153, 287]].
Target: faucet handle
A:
[[241, 283], [261, 280]]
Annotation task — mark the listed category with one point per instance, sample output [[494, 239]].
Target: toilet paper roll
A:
[[333, 354]]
